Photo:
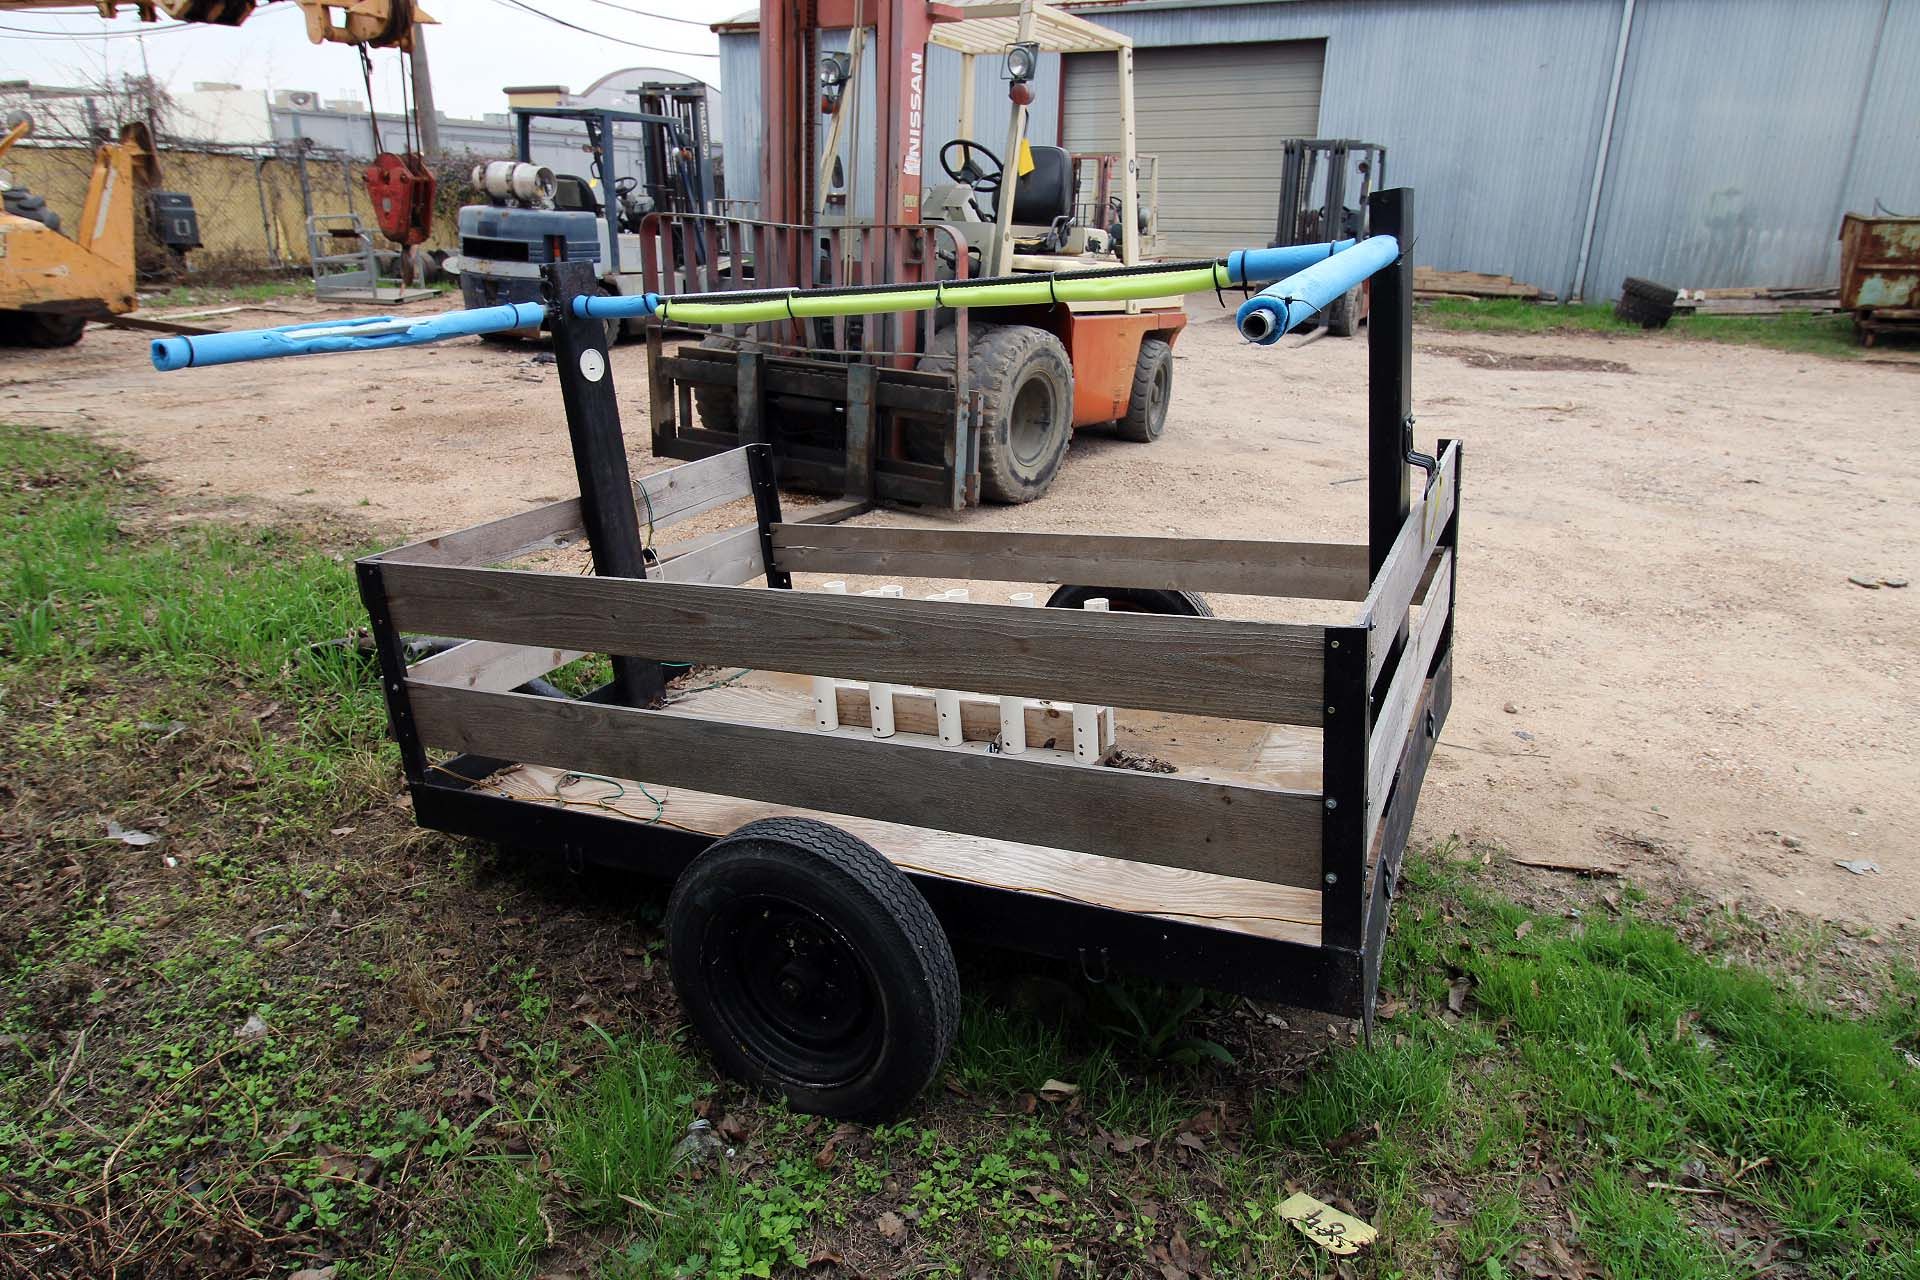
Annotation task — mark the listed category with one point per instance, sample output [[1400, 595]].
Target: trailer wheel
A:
[[1026, 385], [1178, 604], [1146, 418], [813, 969]]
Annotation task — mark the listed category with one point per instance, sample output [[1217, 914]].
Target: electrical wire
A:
[[648, 13], [601, 35], [146, 28]]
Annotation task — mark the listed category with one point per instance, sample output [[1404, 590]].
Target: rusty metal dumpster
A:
[[1880, 274]]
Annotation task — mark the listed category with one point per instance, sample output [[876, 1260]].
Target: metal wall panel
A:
[[1214, 118], [1730, 149], [745, 123], [1744, 129], [1490, 108]]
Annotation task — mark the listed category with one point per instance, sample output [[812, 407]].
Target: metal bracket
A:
[[1425, 461]]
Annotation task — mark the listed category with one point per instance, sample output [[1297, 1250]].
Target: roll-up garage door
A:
[[1215, 116]]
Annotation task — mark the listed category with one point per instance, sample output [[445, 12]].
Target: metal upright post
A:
[[1389, 390], [599, 457]]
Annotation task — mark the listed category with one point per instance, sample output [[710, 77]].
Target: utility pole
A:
[[429, 121]]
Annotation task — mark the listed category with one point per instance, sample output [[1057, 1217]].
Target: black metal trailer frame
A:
[[1378, 685]]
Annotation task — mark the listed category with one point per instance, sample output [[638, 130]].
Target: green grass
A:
[[1797, 331], [211, 295], [436, 1096]]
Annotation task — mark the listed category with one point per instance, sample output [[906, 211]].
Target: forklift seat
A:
[[571, 192], [1045, 195]]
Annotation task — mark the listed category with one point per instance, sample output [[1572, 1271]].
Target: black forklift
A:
[[1318, 179]]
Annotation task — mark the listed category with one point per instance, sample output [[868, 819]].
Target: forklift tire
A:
[[1025, 382], [717, 407], [40, 329], [1175, 604], [1343, 316], [1146, 416], [813, 969]]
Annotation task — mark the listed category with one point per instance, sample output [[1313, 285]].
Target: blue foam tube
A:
[[625, 306], [363, 333], [1254, 266], [1293, 301]]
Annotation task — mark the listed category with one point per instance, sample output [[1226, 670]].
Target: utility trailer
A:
[[835, 804], [819, 867]]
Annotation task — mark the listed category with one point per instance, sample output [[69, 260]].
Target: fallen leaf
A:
[[254, 1028], [1131, 1143], [1457, 995], [1058, 1090], [129, 835], [824, 1258], [1336, 1232], [824, 1158], [891, 1226], [1526, 927], [313, 1273], [342, 831], [1354, 1137], [1860, 866], [1190, 1142]]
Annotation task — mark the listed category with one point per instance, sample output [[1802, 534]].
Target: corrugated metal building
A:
[[1706, 143]]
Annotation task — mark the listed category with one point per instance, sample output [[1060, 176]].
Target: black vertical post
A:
[[1389, 390], [766, 509], [1346, 723], [599, 457], [393, 671]]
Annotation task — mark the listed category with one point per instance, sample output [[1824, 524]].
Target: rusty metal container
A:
[[1880, 273]]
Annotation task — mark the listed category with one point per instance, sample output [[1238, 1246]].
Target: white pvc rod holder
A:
[[880, 696], [1087, 744], [1013, 708], [826, 696]]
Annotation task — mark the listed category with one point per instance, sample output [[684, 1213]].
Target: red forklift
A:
[[926, 409]]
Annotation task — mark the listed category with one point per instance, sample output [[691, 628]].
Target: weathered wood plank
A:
[[1253, 833], [1249, 906], [1305, 570], [1200, 666], [726, 559], [1395, 721], [554, 525], [1406, 566], [483, 664], [676, 493]]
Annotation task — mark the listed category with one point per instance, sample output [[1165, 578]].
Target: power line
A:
[[601, 35], [145, 29], [648, 13]]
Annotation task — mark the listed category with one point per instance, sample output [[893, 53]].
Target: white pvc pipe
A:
[[880, 696], [826, 696], [1013, 708], [1086, 716]]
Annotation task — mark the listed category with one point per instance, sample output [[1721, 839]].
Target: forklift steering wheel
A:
[[625, 186], [969, 174]]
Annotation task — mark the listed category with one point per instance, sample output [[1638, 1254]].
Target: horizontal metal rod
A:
[[1293, 301], [1242, 268]]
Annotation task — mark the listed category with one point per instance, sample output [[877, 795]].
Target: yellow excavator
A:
[[52, 283]]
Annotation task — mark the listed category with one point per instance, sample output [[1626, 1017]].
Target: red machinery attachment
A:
[[402, 189]]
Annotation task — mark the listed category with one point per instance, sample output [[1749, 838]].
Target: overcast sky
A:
[[478, 47]]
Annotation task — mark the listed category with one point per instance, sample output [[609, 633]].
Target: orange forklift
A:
[[911, 409]]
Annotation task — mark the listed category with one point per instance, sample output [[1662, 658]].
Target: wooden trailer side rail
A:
[[1255, 833], [1393, 589]]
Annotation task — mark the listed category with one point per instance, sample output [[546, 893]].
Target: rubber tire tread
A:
[[1343, 317], [1646, 303], [993, 358], [1176, 604], [718, 408], [1138, 426], [861, 878]]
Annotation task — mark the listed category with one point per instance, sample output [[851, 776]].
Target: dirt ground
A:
[[1662, 665]]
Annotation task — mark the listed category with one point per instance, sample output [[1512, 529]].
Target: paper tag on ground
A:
[[1326, 1226]]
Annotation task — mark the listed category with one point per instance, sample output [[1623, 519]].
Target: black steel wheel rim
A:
[[793, 991]]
